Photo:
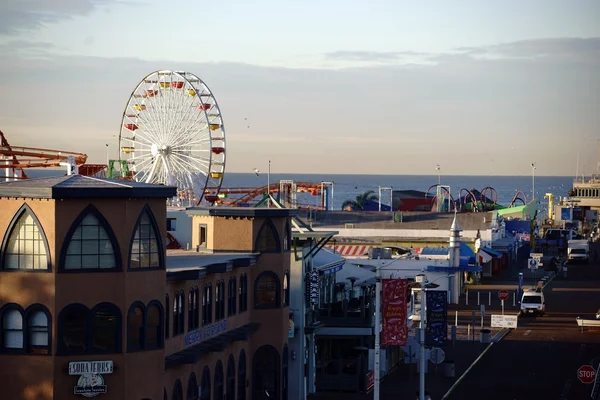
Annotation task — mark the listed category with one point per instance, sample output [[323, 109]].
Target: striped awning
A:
[[351, 250]]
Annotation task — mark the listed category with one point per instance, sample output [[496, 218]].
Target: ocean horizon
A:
[[348, 186]]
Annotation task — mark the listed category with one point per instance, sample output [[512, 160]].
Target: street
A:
[[540, 359]]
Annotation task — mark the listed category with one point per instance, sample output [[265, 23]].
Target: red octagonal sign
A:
[[503, 294], [586, 374]]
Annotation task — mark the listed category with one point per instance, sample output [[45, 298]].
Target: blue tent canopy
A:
[[466, 253]]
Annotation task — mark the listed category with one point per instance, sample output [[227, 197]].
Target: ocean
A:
[[349, 186]]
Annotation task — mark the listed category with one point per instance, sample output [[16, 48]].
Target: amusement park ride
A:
[[172, 133]]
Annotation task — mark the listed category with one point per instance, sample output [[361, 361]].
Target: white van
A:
[[533, 302]]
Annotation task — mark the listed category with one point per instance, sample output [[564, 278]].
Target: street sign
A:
[[437, 355], [503, 294], [537, 256], [586, 374], [532, 263], [504, 321]]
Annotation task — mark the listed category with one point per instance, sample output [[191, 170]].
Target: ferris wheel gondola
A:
[[172, 133]]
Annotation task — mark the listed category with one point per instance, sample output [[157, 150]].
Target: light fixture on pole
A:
[[107, 157], [269, 185], [533, 181], [438, 168]]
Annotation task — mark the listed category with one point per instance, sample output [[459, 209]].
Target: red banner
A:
[[394, 331]]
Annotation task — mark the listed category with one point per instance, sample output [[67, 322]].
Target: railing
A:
[[341, 315]]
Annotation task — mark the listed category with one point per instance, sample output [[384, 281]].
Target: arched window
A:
[[286, 289], [267, 239], [167, 315], [13, 337], [231, 297], [243, 293], [73, 327], [220, 300], [90, 245], [38, 329], [207, 305], [146, 246], [241, 381], [287, 237], [205, 385], [135, 327], [25, 248], [218, 394], [265, 373], [191, 302], [106, 328], [196, 308], [177, 390], [230, 392], [181, 313], [266, 291], [192, 389], [178, 304], [284, 372], [154, 327]]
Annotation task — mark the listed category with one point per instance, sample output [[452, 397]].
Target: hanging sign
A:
[[90, 382]]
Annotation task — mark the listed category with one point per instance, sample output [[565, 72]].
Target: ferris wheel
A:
[[172, 133]]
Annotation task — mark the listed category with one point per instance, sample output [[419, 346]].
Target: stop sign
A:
[[503, 294], [586, 374]]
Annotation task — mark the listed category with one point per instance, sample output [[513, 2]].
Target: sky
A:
[[329, 86]]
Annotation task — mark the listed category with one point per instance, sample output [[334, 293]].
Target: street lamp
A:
[[533, 181], [376, 363], [438, 168]]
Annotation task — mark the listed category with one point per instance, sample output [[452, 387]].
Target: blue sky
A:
[[480, 87]]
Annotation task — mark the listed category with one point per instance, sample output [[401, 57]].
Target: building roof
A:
[[242, 211], [410, 220], [190, 265], [83, 187]]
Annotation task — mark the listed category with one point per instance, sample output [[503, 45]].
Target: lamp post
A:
[[533, 181], [269, 186], [376, 363], [107, 156], [438, 168]]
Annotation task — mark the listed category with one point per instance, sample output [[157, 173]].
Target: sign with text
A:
[[90, 382], [394, 331], [505, 321], [436, 331], [205, 332]]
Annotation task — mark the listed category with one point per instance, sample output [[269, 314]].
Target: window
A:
[[135, 327], [73, 324], [241, 381], [171, 224], [230, 391], [191, 302], [38, 331], [266, 291], [26, 248], [232, 297], [177, 390], [196, 308], [145, 246], [153, 334], [287, 237], [267, 240], [106, 328], [219, 300], [12, 330], [192, 389], [218, 393], [205, 393], [145, 326], [167, 315], [243, 291], [178, 313], [286, 289], [266, 370], [207, 305], [91, 244]]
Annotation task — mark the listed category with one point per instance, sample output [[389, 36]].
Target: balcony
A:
[[354, 313]]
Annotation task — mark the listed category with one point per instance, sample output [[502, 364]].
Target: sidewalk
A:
[[403, 382]]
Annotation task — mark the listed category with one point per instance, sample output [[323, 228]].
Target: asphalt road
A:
[[540, 359]]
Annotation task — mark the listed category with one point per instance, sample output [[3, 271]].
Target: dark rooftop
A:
[[83, 187], [410, 220]]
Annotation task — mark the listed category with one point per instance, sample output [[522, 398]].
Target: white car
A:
[[533, 303]]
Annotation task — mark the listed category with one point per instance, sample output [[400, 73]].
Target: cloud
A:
[[538, 47], [378, 56], [17, 16], [462, 111]]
